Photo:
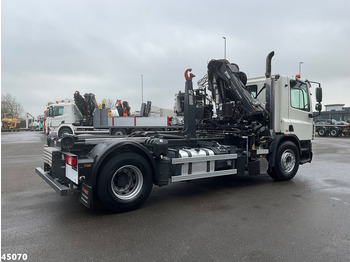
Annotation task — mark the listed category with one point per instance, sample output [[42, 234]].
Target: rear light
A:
[[71, 160]]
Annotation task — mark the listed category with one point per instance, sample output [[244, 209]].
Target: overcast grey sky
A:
[[52, 48]]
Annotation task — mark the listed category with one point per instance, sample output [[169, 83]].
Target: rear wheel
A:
[[125, 182], [136, 130], [119, 132], [334, 132], [286, 162]]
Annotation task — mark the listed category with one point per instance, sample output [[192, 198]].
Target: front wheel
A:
[[64, 130], [322, 132], [286, 163], [125, 182]]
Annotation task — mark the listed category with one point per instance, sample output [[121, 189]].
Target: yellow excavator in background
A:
[[9, 121]]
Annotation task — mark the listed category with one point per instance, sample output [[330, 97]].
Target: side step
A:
[[204, 175], [62, 189], [208, 161]]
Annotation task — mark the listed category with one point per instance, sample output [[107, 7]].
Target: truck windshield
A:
[[58, 110], [299, 97]]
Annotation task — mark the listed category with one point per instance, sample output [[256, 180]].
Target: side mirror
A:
[[318, 107], [319, 95]]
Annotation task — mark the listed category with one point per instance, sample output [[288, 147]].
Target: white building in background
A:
[[338, 112], [334, 107]]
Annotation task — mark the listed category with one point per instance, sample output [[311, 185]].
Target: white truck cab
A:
[[64, 112], [290, 104]]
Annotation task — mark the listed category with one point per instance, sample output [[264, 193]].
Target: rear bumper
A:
[[62, 189]]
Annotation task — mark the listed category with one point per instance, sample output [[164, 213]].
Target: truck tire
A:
[[136, 130], [286, 163], [64, 130], [119, 132], [125, 182], [322, 131], [334, 132]]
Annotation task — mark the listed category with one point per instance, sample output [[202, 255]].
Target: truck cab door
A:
[[301, 122], [57, 116]]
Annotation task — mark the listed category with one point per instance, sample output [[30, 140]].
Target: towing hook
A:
[[189, 77]]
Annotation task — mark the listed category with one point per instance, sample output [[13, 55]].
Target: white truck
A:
[[268, 117], [65, 117]]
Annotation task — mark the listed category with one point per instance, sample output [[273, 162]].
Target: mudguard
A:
[[276, 142], [102, 151]]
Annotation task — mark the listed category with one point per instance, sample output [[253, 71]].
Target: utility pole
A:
[[141, 89], [300, 67], [224, 46]]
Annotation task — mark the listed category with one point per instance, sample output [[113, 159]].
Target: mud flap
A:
[[240, 165], [86, 195], [254, 168], [163, 170]]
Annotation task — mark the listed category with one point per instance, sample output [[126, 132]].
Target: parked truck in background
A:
[[332, 127], [83, 116], [32, 123], [267, 117]]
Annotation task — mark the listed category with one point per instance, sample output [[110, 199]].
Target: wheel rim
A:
[[288, 161], [321, 132], [119, 133], [127, 182], [333, 132]]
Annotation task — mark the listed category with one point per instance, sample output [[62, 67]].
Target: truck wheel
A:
[[334, 132], [65, 130], [322, 132], [125, 182], [119, 132], [136, 130], [286, 163]]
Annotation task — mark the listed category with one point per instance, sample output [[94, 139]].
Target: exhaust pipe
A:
[[268, 64]]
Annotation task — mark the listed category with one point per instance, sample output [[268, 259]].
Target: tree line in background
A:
[[9, 104]]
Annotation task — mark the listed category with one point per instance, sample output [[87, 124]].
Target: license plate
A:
[[72, 173]]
